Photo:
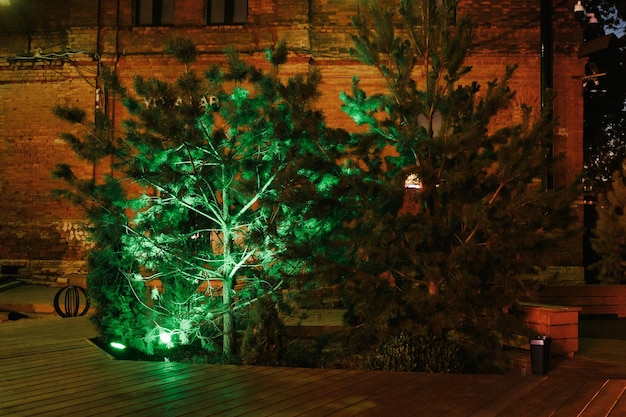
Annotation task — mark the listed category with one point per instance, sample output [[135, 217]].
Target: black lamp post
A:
[[547, 53], [547, 73]]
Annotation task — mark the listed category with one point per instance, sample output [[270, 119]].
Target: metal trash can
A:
[[540, 354]]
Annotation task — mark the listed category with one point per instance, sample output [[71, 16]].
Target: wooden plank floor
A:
[[48, 368]]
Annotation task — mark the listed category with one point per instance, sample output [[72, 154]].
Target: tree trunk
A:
[[228, 339]]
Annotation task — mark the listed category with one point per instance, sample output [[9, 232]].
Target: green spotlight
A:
[[118, 345], [165, 337]]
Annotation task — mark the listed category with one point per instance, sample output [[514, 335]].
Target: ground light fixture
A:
[[117, 345], [165, 337]]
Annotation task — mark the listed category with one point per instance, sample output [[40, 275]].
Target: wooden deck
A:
[[48, 368]]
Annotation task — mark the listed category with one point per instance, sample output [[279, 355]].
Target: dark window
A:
[[154, 12], [226, 12]]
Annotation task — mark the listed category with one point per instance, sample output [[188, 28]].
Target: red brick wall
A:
[[34, 227], [39, 235]]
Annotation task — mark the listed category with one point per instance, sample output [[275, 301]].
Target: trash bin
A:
[[540, 354]]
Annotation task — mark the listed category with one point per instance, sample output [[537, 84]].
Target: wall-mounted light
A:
[[579, 11], [98, 92], [590, 20], [413, 182]]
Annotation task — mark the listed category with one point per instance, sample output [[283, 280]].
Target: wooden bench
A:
[[79, 280], [593, 299], [558, 322]]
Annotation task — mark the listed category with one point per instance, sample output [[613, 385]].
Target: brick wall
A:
[[33, 226], [36, 229], [41, 238]]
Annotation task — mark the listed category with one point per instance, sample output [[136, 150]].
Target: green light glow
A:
[[118, 345], [165, 337]]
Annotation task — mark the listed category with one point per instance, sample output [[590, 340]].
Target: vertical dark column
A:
[[157, 12], [229, 11], [547, 50], [547, 73], [591, 123]]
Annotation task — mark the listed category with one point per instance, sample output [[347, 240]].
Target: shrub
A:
[[408, 353], [264, 339]]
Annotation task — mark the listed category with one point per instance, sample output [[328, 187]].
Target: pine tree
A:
[[451, 212], [609, 240], [103, 205], [204, 166]]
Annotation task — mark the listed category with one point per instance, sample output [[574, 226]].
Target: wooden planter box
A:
[[558, 322], [315, 322], [76, 280], [591, 298]]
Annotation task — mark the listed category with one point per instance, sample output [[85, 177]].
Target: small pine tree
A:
[[264, 339], [107, 286], [198, 200], [610, 232], [449, 212]]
